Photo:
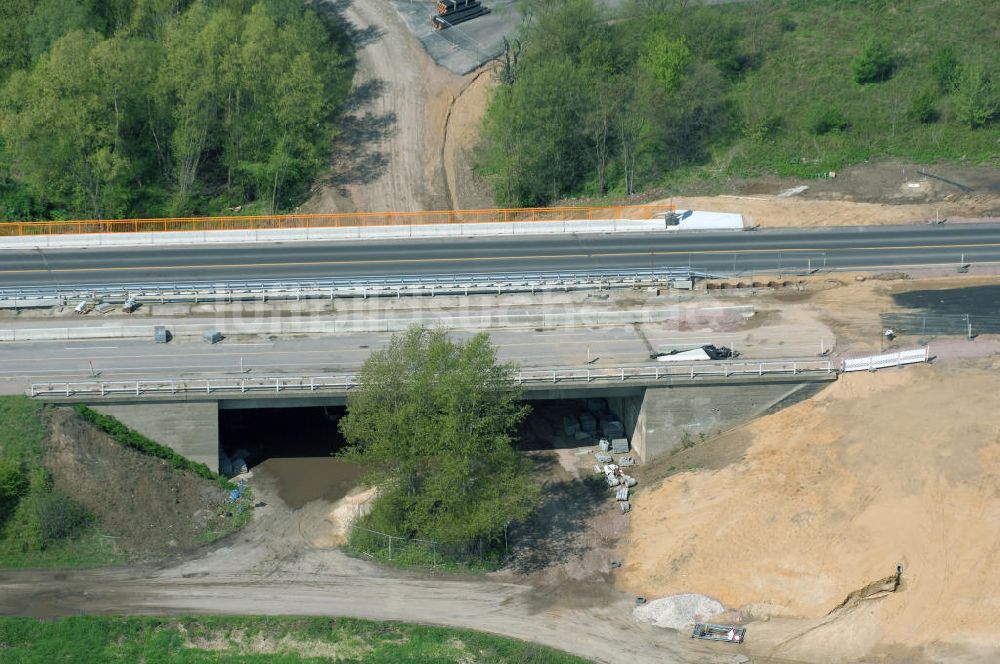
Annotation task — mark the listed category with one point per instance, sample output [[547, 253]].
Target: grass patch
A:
[[257, 640], [40, 526], [810, 69]]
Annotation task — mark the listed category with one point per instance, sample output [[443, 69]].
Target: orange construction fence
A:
[[339, 220]]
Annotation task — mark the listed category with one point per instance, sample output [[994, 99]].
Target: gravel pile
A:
[[678, 611]]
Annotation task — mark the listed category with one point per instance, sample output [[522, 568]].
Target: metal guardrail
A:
[[348, 381], [286, 289]]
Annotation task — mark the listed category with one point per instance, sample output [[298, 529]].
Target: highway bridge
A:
[[784, 250]]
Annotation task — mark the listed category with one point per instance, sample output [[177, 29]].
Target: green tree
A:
[[433, 422], [665, 60], [52, 19], [533, 149], [65, 124], [975, 97], [874, 64]]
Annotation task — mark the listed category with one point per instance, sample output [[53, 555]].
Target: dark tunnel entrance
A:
[[567, 423], [294, 447]]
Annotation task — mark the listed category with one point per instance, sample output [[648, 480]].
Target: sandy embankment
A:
[[899, 467]]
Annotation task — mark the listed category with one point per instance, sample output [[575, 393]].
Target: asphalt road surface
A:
[[743, 252]]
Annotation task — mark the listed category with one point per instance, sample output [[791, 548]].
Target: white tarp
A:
[[883, 360], [696, 220], [693, 355]]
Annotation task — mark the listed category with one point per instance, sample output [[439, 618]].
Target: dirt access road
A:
[[279, 565], [408, 121]]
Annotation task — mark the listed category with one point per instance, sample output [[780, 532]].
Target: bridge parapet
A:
[[650, 375]]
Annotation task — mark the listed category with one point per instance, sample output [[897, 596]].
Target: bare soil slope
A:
[[899, 467], [150, 509]]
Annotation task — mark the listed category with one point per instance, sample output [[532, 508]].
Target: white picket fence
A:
[[883, 360]]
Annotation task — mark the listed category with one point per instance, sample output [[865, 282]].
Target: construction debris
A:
[[621, 494], [710, 632], [626, 507], [626, 461]]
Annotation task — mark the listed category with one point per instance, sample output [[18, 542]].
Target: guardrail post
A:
[[760, 369], [795, 368], [102, 389], [208, 386], [243, 385], [725, 371], [588, 375], [312, 385], [277, 385], [623, 374], [656, 375], [692, 371], [136, 388], [553, 376], [33, 393]]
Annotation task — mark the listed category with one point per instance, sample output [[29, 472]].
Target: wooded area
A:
[[135, 108], [663, 93]]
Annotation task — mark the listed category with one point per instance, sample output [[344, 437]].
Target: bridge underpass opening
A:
[[295, 448], [570, 423]]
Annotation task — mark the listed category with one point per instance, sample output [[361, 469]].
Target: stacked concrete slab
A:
[[453, 12]]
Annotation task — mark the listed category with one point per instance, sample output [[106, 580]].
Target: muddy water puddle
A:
[[301, 480]]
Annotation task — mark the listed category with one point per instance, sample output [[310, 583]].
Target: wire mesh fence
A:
[[412, 551], [931, 324]]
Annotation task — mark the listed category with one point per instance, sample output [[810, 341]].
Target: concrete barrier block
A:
[[24, 242], [123, 239], [67, 241], [179, 237], [346, 233], [219, 237], [474, 230], [382, 232]]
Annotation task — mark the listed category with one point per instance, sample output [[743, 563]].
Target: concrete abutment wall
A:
[[190, 428], [662, 419]]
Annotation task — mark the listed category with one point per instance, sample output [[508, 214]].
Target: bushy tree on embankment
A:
[[433, 421]]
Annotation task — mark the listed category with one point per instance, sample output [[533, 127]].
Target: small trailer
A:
[[710, 632]]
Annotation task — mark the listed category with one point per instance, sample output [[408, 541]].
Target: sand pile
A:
[[678, 612], [899, 467]]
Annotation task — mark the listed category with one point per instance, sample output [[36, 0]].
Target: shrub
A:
[[945, 68], [59, 517], [13, 485], [975, 99], [874, 64], [825, 118], [922, 106]]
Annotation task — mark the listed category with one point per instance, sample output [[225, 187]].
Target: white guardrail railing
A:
[[346, 382], [885, 360]]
